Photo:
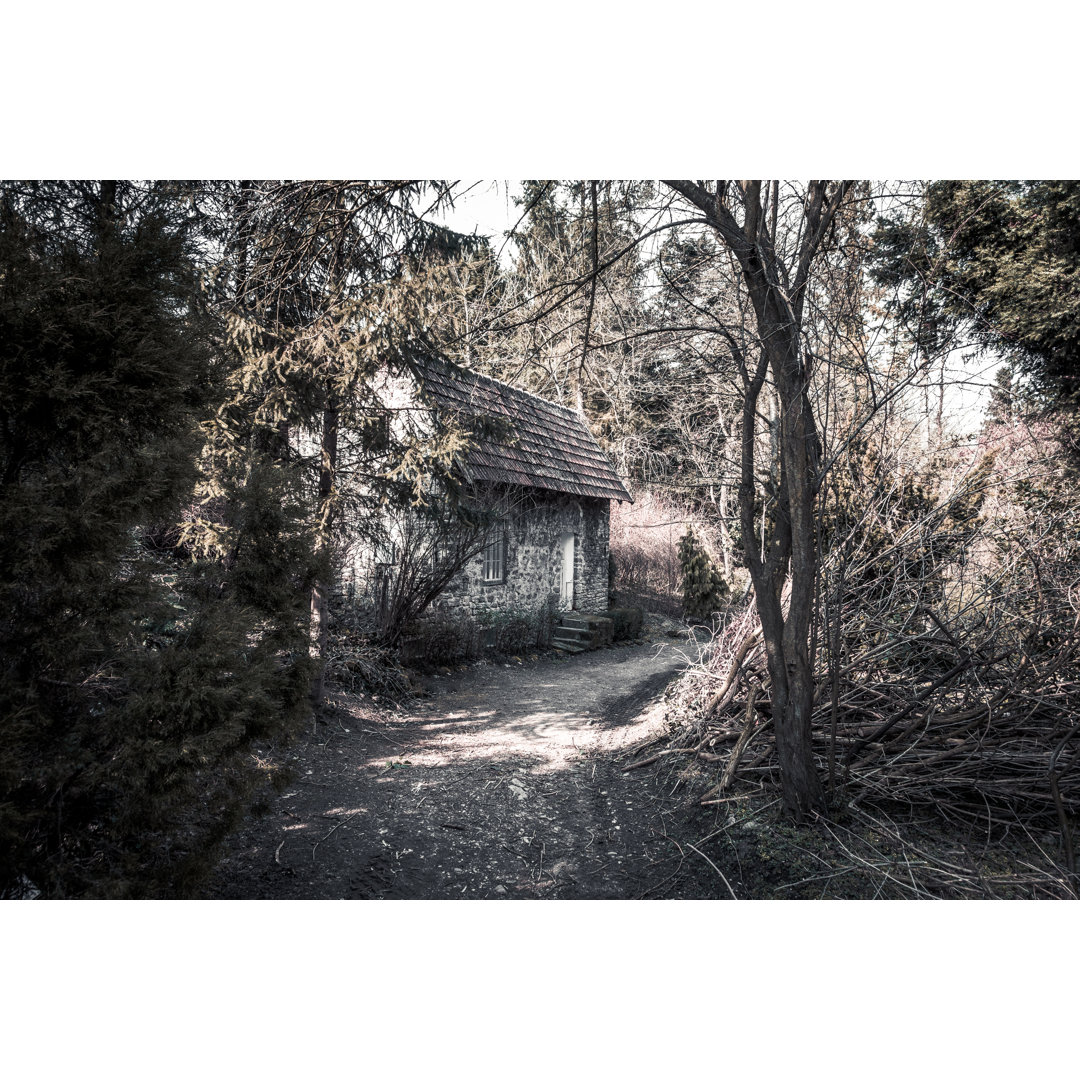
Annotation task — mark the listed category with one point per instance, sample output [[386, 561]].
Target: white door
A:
[[566, 574]]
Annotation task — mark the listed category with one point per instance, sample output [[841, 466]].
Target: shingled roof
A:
[[549, 447]]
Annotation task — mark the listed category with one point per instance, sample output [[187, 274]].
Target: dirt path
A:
[[506, 782]]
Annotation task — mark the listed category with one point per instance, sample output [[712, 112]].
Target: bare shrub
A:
[[442, 638], [948, 642], [518, 629]]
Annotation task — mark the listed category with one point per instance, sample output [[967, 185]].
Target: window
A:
[[442, 551], [495, 557]]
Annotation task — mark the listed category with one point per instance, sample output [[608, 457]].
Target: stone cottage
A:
[[553, 540]]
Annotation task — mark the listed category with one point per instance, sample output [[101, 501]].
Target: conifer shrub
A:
[[703, 587], [135, 688], [644, 568]]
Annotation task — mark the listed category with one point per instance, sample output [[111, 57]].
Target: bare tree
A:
[[777, 282]]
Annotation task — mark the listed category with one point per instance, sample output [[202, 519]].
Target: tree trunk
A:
[[789, 658], [790, 557], [777, 293], [579, 382], [320, 593], [107, 202]]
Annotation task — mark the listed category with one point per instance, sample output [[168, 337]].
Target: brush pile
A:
[[358, 663], [920, 719], [947, 672]]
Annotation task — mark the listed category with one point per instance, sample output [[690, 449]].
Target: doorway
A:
[[566, 572]]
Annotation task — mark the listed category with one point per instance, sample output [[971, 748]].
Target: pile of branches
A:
[[945, 719], [924, 720], [358, 663], [946, 652]]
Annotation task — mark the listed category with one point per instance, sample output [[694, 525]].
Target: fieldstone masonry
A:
[[534, 534]]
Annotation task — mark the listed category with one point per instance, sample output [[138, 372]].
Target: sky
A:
[[485, 207]]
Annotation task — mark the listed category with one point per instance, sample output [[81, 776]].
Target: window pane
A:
[[495, 556]]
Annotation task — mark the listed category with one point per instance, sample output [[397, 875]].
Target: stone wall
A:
[[534, 533]]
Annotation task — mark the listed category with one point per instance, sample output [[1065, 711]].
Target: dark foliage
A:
[[133, 686], [703, 587], [1001, 256], [627, 623]]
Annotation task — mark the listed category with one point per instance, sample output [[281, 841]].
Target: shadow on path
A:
[[506, 782]]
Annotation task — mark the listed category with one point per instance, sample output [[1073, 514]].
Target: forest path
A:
[[506, 782]]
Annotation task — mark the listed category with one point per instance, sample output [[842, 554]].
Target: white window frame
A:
[[440, 552], [495, 557]]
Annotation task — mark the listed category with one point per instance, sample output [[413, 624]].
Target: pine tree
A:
[[1002, 407], [1000, 259], [325, 286]]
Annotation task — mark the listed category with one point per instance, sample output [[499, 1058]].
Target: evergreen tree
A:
[[703, 587], [1001, 258], [132, 689], [324, 286], [1003, 406]]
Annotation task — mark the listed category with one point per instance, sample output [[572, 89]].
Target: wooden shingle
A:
[[549, 446]]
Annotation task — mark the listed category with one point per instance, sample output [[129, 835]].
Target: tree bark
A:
[[328, 469], [777, 293], [579, 384]]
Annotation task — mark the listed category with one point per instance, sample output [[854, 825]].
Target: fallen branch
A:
[[347, 817], [716, 868], [727, 690], [750, 729]]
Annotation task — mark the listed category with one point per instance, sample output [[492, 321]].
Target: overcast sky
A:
[[486, 207]]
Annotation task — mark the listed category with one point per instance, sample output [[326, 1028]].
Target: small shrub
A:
[[514, 632], [626, 622], [441, 639], [547, 619], [519, 629], [444, 639], [703, 587]]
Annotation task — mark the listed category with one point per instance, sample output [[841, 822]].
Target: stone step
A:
[[567, 646], [576, 632]]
